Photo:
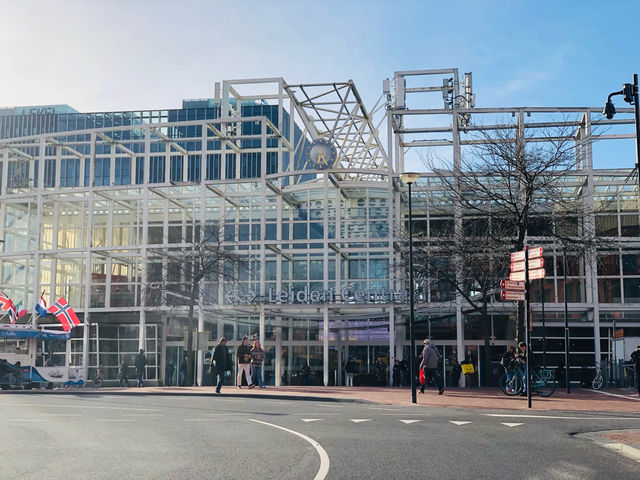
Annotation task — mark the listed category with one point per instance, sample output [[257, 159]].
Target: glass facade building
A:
[[100, 208]]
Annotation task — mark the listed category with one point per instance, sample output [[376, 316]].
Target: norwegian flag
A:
[[65, 314]]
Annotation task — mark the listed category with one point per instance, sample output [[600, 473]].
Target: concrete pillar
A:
[[325, 347]]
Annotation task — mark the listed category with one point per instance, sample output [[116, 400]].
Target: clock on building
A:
[[321, 154]]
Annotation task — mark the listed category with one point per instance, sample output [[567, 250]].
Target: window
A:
[[193, 168], [156, 169], [139, 170], [69, 172], [102, 172], [213, 166], [123, 171]]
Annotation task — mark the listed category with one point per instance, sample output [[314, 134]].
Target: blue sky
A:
[[115, 55]]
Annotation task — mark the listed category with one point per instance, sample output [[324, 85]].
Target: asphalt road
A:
[[187, 437]]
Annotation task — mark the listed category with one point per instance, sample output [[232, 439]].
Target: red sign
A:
[[518, 256], [536, 263], [535, 252], [517, 266], [512, 295], [510, 285], [536, 274], [517, 276]]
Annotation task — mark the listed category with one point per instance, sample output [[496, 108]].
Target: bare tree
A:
[[510, 189], [185, 268]]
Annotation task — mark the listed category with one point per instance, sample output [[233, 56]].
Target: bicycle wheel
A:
[[597, 382], [513, 387], [97, 383], [544, 388]]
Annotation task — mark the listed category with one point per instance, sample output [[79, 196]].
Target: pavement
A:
[[190, 433]]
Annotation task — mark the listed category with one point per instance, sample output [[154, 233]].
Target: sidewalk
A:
[[626, 442], [612, 400]]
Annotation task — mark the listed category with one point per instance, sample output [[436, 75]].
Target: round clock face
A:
[[321, 154]]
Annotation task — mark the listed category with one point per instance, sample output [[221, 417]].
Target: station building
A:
[[298, 190]]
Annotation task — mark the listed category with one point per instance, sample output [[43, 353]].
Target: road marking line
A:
[[203, 419], [509, 415], [324, 458], [307, 420], [330, 406], [617, 395], [458, 422], [226, 414], [60, 414], [78, 406], [143, 415], [114, 420], [26, 419], [403, 414], [382, 408], [512, 424], [360, 420], [410, 421]]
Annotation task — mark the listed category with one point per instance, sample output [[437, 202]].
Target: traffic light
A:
[[628, 91]]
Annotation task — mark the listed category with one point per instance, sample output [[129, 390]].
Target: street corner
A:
[[625, 442]]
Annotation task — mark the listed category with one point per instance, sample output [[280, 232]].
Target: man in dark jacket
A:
[[635, 358], [140, 362], [168, 373], [219, 363], [243, 354]]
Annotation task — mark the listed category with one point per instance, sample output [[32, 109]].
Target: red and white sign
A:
[[535, 252], [510, 285], [517, 276], [512, 295], [536, 274], [517, 266], [518, 256], [535, 263]]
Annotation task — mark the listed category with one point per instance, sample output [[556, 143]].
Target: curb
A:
[[624, 449], [133, 392]]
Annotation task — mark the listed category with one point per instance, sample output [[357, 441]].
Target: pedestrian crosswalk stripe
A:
[[410, 421], [359, 420], [306, 420], [512, 424], [456, 422]]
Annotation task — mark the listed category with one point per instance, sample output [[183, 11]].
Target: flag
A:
[[65, 314], [5, 303], [20, 310], [41, 307], [12, 312]]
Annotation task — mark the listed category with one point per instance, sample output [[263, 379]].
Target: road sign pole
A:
[[527, 337]]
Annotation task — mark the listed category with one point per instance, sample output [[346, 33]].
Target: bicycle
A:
[[543, 382], [97, 381], [598, 380]]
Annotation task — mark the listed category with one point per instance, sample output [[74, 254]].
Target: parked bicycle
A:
[[98, 381], [543, 382], [598, 381]]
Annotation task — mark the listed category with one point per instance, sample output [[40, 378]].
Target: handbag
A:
[[467, 369], [422, 378]]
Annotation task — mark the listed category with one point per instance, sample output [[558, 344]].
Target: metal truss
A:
[[335, 111]]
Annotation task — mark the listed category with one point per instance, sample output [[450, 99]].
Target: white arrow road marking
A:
[[457, 422], [512, 424], [324, 458], [410, 421], [359, 420], [307, 420]]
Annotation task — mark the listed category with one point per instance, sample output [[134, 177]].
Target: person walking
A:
[[404, 372], [456, 371], [396, 373], [219, 363], [350, 369], [381, 372], [522, 359], [168, 373], [123, 373], [429, 365], [305, 374], [243, 355], [140, 362], [257, 359], [635, 358], [469, 370], [182, 374]]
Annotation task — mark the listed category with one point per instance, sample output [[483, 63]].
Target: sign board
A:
[[517, 266], [517, 276], [535, 263], [512, 295], [511, 285], [535, 252], [518, 256], [536, 274]]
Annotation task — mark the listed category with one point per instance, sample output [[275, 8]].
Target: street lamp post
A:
[[410, 178], [630, 93]]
